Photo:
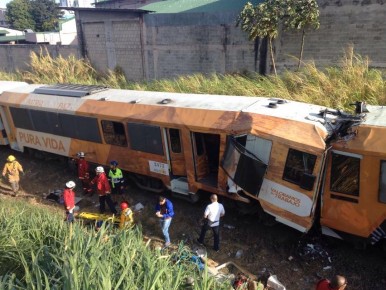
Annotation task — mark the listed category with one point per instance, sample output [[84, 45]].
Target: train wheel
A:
[[148, 183]]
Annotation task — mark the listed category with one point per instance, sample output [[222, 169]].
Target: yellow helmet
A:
[[11, 158]]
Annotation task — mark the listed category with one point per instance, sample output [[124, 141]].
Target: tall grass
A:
[[38, 250], [336, 86]]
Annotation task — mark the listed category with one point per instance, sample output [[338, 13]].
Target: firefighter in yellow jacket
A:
[[127, 219], [12, 170]]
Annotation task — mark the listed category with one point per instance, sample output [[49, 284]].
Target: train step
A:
[[180, 185]]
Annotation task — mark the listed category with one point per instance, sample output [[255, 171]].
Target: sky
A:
[[3, 3]]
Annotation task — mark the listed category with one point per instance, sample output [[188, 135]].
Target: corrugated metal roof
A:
[[183, 6]]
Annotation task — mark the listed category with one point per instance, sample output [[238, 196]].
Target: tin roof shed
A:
[[183, 6]]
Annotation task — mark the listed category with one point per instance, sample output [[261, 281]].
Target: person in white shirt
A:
[[212, 215]]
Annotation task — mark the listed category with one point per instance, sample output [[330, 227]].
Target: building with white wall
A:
[[66, 36], [76, 3]]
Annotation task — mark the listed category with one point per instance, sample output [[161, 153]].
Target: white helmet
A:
[[99, 169], [80, 154], [70, 184]]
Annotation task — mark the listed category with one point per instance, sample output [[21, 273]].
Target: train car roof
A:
[[376, 116], [9, 85], [289, 109]]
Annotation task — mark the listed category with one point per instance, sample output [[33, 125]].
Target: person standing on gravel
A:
[[116, 180], [12, 170], [212, 215], [104, 190], [83, 172], [164, 211], [69, 201]]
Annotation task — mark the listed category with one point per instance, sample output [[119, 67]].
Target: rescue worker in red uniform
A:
[[337, 283], [104, 190], [69, 201], [83, 173]]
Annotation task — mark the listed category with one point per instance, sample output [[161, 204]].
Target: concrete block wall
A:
[[112, 40], [95, 43], [201, 43], [17, 57], [360, 23], [128, 48]]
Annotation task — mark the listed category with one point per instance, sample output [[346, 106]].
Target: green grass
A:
[[352, 80], [38, 250]]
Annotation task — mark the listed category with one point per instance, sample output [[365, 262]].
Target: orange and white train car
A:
[[286, 156]]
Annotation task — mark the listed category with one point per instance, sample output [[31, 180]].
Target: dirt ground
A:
[[297, 260]]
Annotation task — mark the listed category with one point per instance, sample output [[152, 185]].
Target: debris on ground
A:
[[274, 284], [312, 252]]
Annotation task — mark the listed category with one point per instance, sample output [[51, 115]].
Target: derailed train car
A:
[[290, 158]]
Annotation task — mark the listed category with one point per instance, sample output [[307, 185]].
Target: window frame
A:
[[139, 129], [118, 141], [172, 147], [309, 171], [333, 174]]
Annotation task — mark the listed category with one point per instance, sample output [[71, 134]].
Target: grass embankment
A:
[[352, 80], [38, 250]]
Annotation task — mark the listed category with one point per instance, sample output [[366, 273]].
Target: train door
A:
[[341, 208], [206, 150], [246, 160], [176, 154], [3, 132]]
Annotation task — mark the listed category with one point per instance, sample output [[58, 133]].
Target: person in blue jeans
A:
[[164, 211]]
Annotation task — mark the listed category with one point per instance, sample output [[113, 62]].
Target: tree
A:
[[300, 15], [46, 14], [19, 16], [262, 21], [38, 15]]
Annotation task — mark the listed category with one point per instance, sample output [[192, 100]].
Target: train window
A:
[[145, 138], [345, 174], [199, 137], [80, 127], [46, 122], [175, 140], [72, 126], [114, 133], [297, 164], [21, 118], [382, 183]]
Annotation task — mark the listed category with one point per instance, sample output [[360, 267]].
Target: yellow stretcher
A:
[[98, 217]]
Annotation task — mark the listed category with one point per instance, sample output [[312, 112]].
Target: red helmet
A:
[[124, 205]]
